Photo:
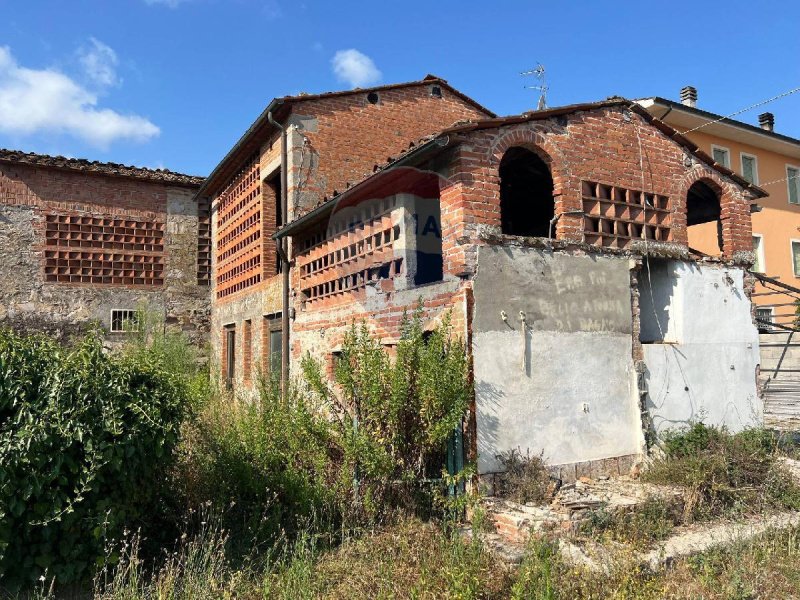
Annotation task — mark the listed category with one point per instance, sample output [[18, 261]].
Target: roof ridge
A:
[[96, 166]]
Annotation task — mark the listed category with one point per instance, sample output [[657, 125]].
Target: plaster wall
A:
[[707, 371], [566, 388]]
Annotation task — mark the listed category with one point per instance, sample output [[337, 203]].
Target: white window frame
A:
[[727, 152], [761, 259], [742, 156], [790, 182], [135, 311], [792, 242]]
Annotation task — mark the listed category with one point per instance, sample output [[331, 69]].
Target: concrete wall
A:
[[708, 370], [565, 389]]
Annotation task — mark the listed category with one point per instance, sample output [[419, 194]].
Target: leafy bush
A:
[[724, 472], [524, 477], [84, 437], [391, 420], [336, 459], [264, 465]]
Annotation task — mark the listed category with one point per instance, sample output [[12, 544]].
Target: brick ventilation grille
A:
[[103, 250], [615, 216], [203, 243], [349, 259], [239, 233]]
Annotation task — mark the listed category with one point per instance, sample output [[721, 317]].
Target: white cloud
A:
[[271, 10], [355, 68], [167, 3], [47, 101], [100, 63]]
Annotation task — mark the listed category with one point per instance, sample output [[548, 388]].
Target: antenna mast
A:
[[538, 72]]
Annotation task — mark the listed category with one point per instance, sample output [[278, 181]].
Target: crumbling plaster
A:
[[567, 388], [706, 370]]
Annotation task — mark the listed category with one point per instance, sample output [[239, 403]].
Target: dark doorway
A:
[[230, 356], [526, 194], [704, 219]]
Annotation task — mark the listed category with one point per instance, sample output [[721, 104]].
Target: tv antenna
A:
[[538, 72]]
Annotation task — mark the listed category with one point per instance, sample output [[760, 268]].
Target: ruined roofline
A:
[[638, 249], [449, 137], [251, 140], [100, 168]]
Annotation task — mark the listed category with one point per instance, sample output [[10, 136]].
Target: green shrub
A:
[[264, 465], [84, 438], [724, 472], [391, 419]]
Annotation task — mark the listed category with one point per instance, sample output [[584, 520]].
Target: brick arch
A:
[[534, 141], [544, 147], [736, 225]]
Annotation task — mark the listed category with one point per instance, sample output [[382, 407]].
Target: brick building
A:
[[562, 249], [90, 243], [299, 152], [557, 240]]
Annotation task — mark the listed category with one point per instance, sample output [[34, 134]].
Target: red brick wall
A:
[[352, 135], [239, 236], [600, 146], [92, 229]]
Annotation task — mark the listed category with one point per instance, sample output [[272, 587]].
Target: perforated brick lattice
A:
[[351, 257], [103, 250], [203, 242], [614, 216], [239, 239]]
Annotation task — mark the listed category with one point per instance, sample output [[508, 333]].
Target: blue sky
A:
[[174, 83]]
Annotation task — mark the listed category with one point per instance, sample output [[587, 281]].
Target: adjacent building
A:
[[88, 244], [766, 158]]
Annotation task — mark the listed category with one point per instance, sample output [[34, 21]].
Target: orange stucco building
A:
[[766, 158]]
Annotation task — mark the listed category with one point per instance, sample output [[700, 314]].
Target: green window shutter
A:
[[721, 157]]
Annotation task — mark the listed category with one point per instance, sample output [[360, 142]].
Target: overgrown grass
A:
[[650, 521], [412, 559], [725, 474]]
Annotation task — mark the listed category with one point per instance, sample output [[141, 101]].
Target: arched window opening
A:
[[526, 194], [703, 219]]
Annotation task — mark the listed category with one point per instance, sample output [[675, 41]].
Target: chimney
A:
[[689, 95], [767, 121]]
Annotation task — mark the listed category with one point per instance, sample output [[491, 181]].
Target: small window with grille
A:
[[125, 320], [765, 319]]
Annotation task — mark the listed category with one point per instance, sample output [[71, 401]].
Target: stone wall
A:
[[30, 302]]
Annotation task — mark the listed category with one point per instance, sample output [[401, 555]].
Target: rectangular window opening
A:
[[796, 257], [247, 350], [125, 320], [750, 168], [793, 183], [229, 356], [758, 250], [721, 155], [765, 318]]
